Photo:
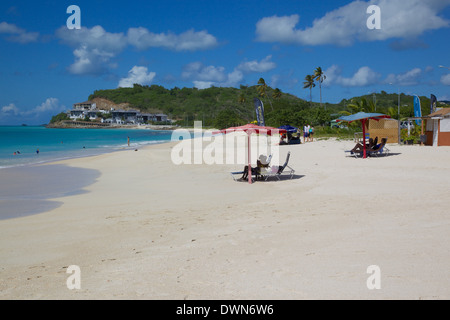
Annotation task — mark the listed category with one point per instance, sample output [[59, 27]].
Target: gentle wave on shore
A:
[[21, 146]]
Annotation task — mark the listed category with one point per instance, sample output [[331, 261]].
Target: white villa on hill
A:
[[89, 109], [83, 109]]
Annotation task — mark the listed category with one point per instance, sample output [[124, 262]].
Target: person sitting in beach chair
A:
[[379, 148], [262, 162], [359, 147], [372, 147]]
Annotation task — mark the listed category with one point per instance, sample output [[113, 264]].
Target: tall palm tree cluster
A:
[[262, 90], [310, 82]]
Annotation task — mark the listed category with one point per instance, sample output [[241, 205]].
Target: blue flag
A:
[[259, 108], [417, 110]]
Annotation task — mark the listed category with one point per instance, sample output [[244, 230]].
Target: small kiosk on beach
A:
[[438, 128], [384, 128]]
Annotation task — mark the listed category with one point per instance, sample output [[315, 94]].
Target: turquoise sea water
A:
[[58, 144]]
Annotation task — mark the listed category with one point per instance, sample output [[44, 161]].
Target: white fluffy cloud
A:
[[199, 72], [18, 34], [10, 109], [366, 77], [95, 48], [190, 40], [11, 114], [138, 75], [257, 66], [445, 79], [49, 106], [9, 28], [234, 78], [408, 78], [96, 38], [203, 84], [347, 24], [363, 77], [206, 76]]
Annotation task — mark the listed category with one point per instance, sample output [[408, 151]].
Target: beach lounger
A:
[[237, 174], [355, 154], [382, 151], [277, 171]]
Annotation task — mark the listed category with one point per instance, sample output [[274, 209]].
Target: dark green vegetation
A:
[[221, 107], [59, 117]]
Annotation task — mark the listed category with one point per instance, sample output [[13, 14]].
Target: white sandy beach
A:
[[148, 229]]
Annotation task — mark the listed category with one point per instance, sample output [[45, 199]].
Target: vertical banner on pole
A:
[[259, 108], [417, 110], [433, 104]]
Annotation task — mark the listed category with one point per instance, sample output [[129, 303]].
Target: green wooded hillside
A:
[[221, 107]]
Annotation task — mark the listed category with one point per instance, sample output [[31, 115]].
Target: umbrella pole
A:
[[364, 137], [249, 160]]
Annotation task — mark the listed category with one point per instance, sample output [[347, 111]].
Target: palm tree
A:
[[371, 106], [309, 83], [276, 94], [262, 87], [362, 106], [319, 76], [391, 111], [242, 99]]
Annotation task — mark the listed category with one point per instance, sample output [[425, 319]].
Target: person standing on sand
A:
[[305, 133], [128, 138]]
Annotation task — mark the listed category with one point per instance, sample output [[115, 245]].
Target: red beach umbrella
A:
[[250, 129]]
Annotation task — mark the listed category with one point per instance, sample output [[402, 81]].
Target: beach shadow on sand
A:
[[275, 179], [284, 178], [390, 154], [26, 190], [387, 155]]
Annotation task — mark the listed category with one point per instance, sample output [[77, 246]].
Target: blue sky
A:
[[46, 67]]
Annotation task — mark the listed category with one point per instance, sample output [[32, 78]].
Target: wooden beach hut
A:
[[438, 128], [384, 128]]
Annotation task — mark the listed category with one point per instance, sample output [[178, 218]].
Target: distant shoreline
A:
[[94, 125], [55, 144], [130, 127]]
